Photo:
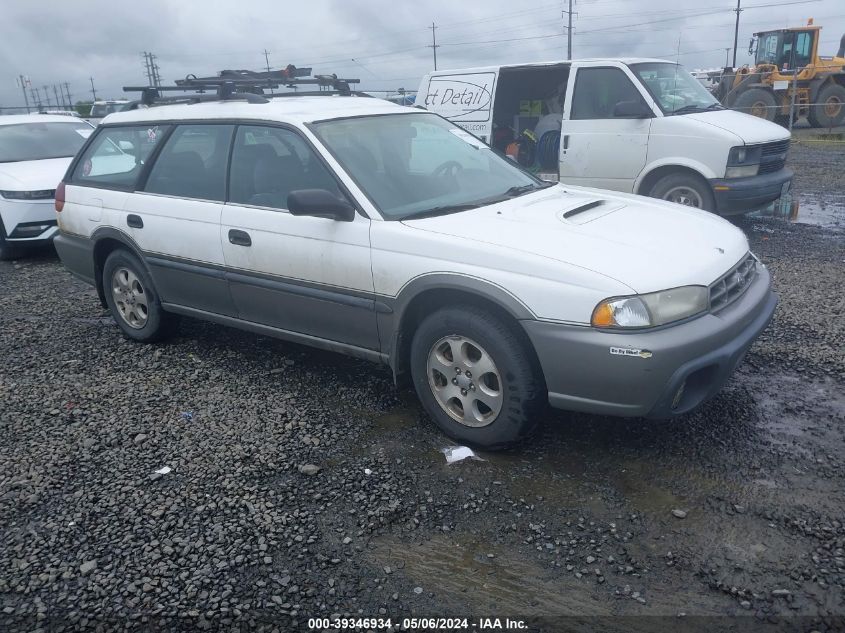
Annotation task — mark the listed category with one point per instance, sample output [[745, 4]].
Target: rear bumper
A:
[[77, 254], [584, 373], [738, 195]]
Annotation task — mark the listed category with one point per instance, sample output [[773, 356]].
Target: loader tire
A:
[[758, 102], [830, 111]]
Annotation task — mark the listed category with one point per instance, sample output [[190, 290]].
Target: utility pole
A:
[[434, 45], [56, 94], [738, 10], [569, 31], [67, 92], [267, 61], [93, 90], [24, 81], [46, 96]]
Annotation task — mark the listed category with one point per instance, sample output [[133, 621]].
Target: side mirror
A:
[[320, 203], [632, 110]]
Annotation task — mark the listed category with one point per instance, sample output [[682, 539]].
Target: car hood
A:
[[750, 129], [645, 244], [33, 175]]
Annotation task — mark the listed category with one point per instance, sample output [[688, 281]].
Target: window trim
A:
[[144, 176], [294, 130], [101, 129], [578, 74]]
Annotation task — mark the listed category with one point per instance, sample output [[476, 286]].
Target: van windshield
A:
[[418, 165], [674, 89]]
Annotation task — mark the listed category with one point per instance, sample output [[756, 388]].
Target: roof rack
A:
[[244, 85]]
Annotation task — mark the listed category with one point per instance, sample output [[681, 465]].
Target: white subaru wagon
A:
[[388, 233]]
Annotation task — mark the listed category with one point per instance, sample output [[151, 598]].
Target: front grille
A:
[[732, 285], [773, 156]]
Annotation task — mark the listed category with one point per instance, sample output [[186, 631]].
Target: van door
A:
[[466, 99], [602, 143], [301, 274]]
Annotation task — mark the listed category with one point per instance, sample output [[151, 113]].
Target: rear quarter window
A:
[[117, 155]]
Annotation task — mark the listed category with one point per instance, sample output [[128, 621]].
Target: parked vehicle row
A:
[[392, 234]]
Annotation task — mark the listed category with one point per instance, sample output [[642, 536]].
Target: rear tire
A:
[[476, 377], [133, 300], [757, 102], [831, 109], [685, 189], [7, 253]]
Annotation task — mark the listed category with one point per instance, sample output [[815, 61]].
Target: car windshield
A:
[[41, 140], [102, 109], [412, 165], [674, 89]]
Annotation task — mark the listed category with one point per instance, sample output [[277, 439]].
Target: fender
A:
[[390, 322], [675, 161], [109, 232]]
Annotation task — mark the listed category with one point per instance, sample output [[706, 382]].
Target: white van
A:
[[644, 126]]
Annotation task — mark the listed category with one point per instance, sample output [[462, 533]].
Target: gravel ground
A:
[[302, 484]]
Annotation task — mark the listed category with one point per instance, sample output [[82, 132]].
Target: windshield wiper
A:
[[521, 189], [443, 210], [687, 109]]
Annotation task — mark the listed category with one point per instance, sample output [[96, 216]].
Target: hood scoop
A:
[[589, 211]]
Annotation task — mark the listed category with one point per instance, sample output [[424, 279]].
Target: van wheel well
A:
[[102, 249], [653, 177], [431, 300]]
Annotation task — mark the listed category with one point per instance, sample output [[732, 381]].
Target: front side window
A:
[[117, 155], [41, 140], [598, 90], [268, 163], [803, 49], [674, 89], [192, 164], [420, 164]]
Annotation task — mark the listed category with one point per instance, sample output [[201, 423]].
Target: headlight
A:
[[43, 194], [649, 310], [743, 161], [742, 172]]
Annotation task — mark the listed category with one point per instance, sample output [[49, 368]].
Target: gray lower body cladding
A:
[[600, 372]]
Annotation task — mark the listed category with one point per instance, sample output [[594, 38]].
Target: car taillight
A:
[[60, 197]]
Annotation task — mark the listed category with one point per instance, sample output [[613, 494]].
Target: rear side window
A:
[[598, 90], [117, 155], [192, 164]]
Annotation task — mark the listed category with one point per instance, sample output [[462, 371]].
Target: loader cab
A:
[[787, 49]]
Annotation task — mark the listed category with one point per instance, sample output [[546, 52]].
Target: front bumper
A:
[[28, 222], [582, 374], [738, 195]]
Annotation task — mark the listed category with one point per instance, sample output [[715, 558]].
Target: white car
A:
[[35, 151], [388, 233]]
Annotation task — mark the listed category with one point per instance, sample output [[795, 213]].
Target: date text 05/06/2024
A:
[[416, 624]]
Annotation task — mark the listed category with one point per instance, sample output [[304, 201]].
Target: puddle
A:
[[829, 213], [396, 420]]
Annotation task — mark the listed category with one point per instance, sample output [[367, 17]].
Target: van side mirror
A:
[[320, 203], [632, 110]]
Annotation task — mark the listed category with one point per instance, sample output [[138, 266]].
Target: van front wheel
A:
[[684, 189]]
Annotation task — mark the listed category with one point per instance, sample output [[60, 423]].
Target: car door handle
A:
[[134, 221], [565, 142], [239, 238]]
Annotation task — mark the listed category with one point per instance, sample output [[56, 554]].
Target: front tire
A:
[[476, 377], [7, 253], [133, 300], [831, 109], [684, 189]]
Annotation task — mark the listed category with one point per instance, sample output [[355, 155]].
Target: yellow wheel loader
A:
[[787, 73]]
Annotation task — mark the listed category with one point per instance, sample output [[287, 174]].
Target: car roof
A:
[[12, 119], [294, 109], [559, 62]]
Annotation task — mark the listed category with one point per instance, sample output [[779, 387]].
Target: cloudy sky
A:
[[383, 42]]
